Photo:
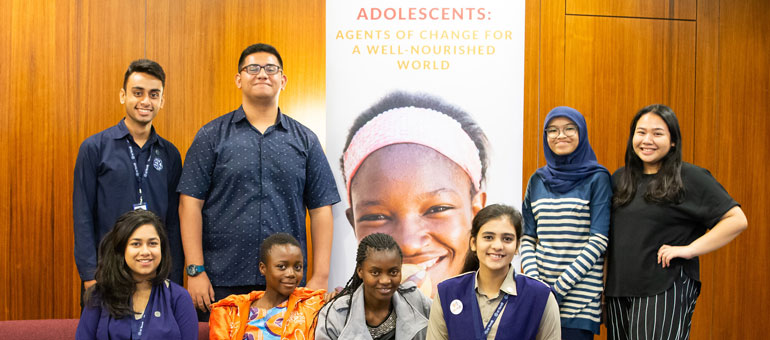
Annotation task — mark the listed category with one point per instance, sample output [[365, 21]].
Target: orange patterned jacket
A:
[[229, 316]]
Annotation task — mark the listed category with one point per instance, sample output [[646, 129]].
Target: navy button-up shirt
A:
[[105, 187], [253, 184]]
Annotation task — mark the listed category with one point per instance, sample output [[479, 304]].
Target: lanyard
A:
[[495, 315], [141, 326], [140, 179]]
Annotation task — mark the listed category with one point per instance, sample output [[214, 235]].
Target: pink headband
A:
[[416, 126]]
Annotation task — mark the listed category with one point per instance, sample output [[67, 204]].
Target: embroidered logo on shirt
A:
[[456, 307], [158, 164]]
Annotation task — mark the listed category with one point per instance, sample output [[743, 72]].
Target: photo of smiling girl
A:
[[414, 168], [375, 305], [491, 301], [282, 311]]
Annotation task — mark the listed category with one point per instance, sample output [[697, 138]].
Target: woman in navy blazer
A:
[[132, 299]]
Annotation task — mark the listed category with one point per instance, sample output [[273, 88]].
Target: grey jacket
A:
[[411, 306]]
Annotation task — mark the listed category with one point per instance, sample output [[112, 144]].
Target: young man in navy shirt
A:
[[248, 174], [128, 166]]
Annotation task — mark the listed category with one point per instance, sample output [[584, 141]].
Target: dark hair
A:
[[114, 282], [490, 212], [145, 66], [421, 100], [369, 244], [666, 186], [256, 48], [276, 239]]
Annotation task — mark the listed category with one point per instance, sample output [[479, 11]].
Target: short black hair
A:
[[276, 239], [256, 48], [145, 66]]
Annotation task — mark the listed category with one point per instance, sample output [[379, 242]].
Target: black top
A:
[[640, 228]]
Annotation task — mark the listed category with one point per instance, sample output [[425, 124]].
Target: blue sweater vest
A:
[[520, 319]]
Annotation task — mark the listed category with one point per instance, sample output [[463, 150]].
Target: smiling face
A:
[[283, 269], [143, 252], [423, 200], [261, 86], [652, 141], [562, 144], [380, 273], [495, 245], [142, 97]]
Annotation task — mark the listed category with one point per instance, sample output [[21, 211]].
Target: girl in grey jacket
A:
[[374, 305]]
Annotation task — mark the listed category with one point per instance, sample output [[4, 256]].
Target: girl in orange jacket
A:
[[283, 311]]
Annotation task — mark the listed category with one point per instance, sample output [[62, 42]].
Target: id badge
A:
[[140, 206]]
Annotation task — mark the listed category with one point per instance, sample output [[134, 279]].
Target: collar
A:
[[508, 286], [280, 121], [120, 131]]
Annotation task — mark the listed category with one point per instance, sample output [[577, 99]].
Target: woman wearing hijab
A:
[[566, 214]]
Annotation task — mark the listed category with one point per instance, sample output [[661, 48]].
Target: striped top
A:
[[565, 236]]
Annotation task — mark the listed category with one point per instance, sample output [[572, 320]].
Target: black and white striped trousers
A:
[[665, 316]]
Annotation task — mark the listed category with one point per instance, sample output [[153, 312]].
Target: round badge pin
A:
[[158, 164], [456, 307]]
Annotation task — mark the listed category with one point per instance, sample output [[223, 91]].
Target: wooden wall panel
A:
[[201, 74], [64, 144], [663, 9], [740, 306], [111, 34], [615, 66], [532, 138], [551, 71], [705, 146], [30, 145], [5, 183]]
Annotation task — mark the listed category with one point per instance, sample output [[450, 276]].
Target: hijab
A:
[[563, 173]]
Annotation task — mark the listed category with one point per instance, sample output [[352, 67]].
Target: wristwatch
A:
[[194, 270]]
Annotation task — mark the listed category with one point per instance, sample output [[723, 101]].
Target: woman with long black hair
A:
[[666, 213], [132, 297]]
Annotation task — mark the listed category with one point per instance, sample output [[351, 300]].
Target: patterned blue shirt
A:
[[253, 184]]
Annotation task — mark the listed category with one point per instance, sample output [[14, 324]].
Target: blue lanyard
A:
[[495, 315], [140, 179], [141, 326]]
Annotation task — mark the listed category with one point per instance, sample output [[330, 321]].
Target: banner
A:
[[434, 90]]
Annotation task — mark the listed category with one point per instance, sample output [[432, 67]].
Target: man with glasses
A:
[[247, 175], [125, 167]]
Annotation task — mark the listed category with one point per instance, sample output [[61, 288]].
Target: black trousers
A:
[[664, 316]]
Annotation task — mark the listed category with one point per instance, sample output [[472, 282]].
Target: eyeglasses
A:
[[554, 132], [254, 69]]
